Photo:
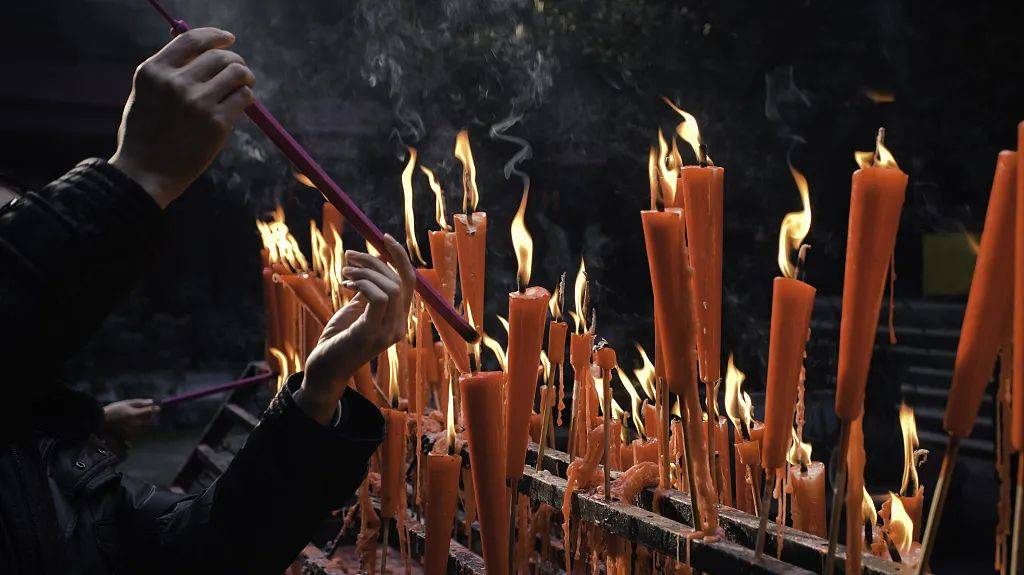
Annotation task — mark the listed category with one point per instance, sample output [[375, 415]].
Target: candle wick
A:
[[703, 159], [879, 142], [803, 468], [745, 431], [869, 534], [801, 270]]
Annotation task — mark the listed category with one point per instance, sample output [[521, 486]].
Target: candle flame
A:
[[582, 299], [496, 349], [439, 210], [652, 176], [302, 179], [599, 388], [319, 252], [451, 416], [668, 168], [645, 374], [335, 264], [372, 250], [901, 526], [282, 362], [463, 151], [677, 410], [867, 508], [281, 246], [795, 225], [410, 215], [545, 364], [737, 403], [634, 398], [881, 157], [972, 242], [799, 452], [555, 302], [908, 426], [475, 346], [393, 374], [522, 241], [689, 131]]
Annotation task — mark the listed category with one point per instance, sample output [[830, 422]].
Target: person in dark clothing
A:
[[69, 252]]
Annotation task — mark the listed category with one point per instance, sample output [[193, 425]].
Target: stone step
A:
[[936, 443], [930, 419], [923, 396], [943, 338]]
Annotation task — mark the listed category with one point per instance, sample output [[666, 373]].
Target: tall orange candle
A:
[[527, 311], [392, 474], [556, 355], [481, 398], [443, 256], [724, 465], [674, 309], [443, 471], [580, 349], [332, 223], [702, 190], [309, 291], [809, 498], [792, 303], [989, 306], [471, 247], [876, 200], [1017, 434], [854, 498]]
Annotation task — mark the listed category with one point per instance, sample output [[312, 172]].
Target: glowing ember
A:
[[470, 193], [910, 442], [737, 402], [795, 225], [439, 210], [410, 216]]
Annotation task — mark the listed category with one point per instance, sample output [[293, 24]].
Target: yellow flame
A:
[[689, 131], [645, 374], [901, 526], [451, 414], [795, 225], [410, 215], [463, 151], [972, 242], [599, 388], [881, 157], [677, 410], [634, 398], [737, 402], [302, 179], [439, 211], [335, 265], [581, 297], [652, 175], [910, 442], [799, 453], [553, 303], [522, 242], [372, 250], [282, 362], [496, 349], [668, 168], [503, 322], [393, 373], [867, 508], [280, 244], [320, 253], [545, 363]]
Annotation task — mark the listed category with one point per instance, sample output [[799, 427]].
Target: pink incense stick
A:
[[305, 163], [220, 388]]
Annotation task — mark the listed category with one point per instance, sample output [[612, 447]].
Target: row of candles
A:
[[683, 236]]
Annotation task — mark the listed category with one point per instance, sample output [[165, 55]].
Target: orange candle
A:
[[310, 292], [674, 310], [626, 455], [392, 452], [442, 494], [748, 462], [445, 261], [989, 306], [702, 190], [854, 498], [270, 307], [724, 465], [453, 342], [556, 354], [527, 311], [809, 498], [332, 223], [652, 423], [913, 504], [645, 451], [876, 200], [481, 399], [1017, 425], [792, 302], [580, 348], [471, 248]]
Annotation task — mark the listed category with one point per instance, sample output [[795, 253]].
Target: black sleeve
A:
[[67, 254], [265, 508]]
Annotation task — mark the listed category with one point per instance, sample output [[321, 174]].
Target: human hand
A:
[[368, 324], [184, 102], [127, 416]]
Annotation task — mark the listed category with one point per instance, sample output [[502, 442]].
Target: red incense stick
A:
[[196, 394], [305, 163]]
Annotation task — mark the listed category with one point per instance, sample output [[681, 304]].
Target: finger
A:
[[233, 77], [376, 299], [185, 47], [367, 261], [387, 284], [232, 107], [343, 318], [209, 64], [400, 260]]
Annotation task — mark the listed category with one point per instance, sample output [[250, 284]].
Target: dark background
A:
[[580, 82]]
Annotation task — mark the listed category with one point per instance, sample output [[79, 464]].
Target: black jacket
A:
[[67, 254]]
